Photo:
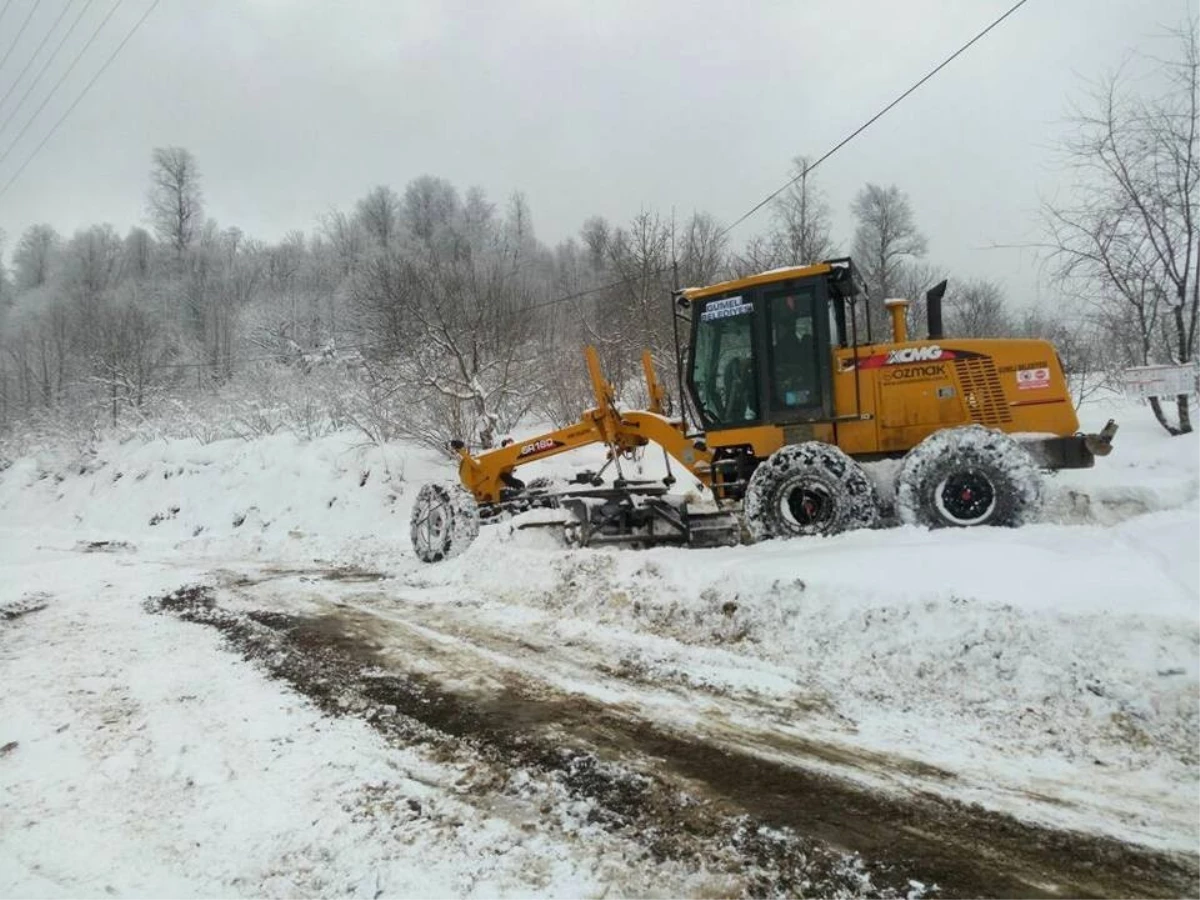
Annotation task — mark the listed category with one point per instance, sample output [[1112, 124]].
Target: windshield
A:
[[723, 369]]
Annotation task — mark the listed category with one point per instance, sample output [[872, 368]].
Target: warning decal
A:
[[1029, 379]]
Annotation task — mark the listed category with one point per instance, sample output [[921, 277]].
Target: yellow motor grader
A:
[[788, 399]]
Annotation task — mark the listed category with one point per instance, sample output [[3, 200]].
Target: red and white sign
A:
[[1031, 379]]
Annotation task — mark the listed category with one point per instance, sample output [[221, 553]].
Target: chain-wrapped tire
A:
[[445, 520], [808, 489], [962, 477]]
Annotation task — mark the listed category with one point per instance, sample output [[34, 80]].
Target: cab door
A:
[[796, 363]]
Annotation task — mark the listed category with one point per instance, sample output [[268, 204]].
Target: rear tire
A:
[[964, 477], [445, 520], [809, 489]]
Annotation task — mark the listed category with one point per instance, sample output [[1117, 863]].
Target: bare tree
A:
[[346, 239], [977, 309], [800, 232], [1078, 341], [131, 345], [139, 254], [92, 262], [635, 312], [457, 358], [915, 278], [701, 250], [34, 255], [38, 345], [223, 274], [886, 239], [6, 290], [596, 235], [802, 223], [1129, 239], [520, 243], [174, 201], [383, 295], [478, 220], [760, 253], [378, 215], [430, 204]]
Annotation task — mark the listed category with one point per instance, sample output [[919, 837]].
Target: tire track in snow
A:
[[790, 824]]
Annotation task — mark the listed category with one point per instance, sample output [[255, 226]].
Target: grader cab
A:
[[789, 393]]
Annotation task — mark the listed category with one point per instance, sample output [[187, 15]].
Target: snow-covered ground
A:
[[1051, 673]]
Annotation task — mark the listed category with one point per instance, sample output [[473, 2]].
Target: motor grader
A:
[[789, 395]]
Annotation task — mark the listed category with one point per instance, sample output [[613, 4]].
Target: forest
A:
[[431, 311]]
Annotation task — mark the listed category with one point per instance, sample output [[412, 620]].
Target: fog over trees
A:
[[432, 311]]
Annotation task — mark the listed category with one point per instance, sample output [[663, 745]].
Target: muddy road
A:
[[773, 811]]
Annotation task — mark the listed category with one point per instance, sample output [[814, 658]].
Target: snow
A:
[[1041, 646], [1053, 669], [151, 762]]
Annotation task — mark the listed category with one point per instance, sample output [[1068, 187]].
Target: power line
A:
[[842, 143], [37, 79], [58, 84], [20, 31], [87, 87], [871, 121], [17, 80], [580, 294], [6, 6], [577, 294]]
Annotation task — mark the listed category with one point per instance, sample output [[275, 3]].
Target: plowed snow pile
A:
[[1053, 668]]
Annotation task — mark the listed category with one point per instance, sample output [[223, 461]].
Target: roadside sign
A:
[[1162, 381]]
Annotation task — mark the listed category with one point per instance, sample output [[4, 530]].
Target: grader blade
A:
[[642, 515]]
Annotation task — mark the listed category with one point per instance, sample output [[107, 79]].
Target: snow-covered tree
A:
[[174, 201], [1128, 236]]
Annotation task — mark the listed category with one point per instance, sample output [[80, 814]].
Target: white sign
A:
[[723, 309], [1032, 379], [1162, 381]]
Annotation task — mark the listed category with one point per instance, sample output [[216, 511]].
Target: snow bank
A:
[[141, 758], [1066, 652], [272, 495], [1071, 645]]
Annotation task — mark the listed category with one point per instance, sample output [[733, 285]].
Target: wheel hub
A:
[[966, 497], [808, 506]]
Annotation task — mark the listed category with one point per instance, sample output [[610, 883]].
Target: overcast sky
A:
[[605, 107]]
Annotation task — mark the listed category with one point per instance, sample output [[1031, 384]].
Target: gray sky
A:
[[293, 108]]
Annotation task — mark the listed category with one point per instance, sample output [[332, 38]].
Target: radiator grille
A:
[[982, 392]]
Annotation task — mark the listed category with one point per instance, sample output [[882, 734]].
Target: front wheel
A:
[[809, 489], [962, 477], [445, 520]]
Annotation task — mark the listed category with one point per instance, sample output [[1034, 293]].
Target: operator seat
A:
[[737, 379]]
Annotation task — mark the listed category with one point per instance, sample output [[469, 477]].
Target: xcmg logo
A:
[[913, 354]]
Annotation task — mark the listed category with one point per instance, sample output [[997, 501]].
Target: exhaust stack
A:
[[933, 306], [898, 307]]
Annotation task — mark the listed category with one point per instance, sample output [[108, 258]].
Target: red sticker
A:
[[1030, 379]]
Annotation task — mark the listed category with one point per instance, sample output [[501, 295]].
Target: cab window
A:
[[723, 365], [793, 351]]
